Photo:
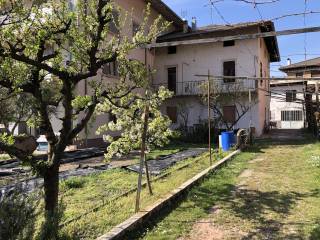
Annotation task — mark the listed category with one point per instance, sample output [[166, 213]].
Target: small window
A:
[[229, 70], [172, 50], [291, 96], [172, 114], [299, 74], [111, 69], [135, 28], [112, 118], [229, 114], [228, 43], [261, 74]]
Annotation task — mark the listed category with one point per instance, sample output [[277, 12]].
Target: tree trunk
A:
[[142, 155], [51, 193], [148, 175]]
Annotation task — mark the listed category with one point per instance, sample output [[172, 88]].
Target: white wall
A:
[[277, 106], [192, 60]]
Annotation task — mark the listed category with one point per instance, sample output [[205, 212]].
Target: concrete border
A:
[[137, 220]]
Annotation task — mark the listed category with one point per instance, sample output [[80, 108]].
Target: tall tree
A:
[[47, 48]]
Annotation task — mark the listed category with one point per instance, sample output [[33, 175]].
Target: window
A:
[[229, 69], [112, 118], [135, 28], [113, 25], [299, 74], [261, 74], [172, 79], [172, 50], [229, 114], [111, 69], [172, 114], [291, 96], [229, 43], [291, 116]]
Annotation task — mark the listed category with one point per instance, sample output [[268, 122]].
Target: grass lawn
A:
[[83, 194], [272, 192]]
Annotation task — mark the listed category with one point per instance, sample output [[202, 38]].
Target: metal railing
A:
[[195, 88]]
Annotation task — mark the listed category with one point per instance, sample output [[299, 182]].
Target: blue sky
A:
[[290, 46]]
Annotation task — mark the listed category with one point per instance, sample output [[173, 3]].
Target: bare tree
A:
[[223, 94]]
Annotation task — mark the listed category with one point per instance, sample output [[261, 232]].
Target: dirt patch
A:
[[256, 160], [205, 230], [246, 173]]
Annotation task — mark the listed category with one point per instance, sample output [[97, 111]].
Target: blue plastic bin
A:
[[227, 139]]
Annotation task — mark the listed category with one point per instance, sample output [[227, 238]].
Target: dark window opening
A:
[[111, 69], [172, 79], [112, 118], [172, 50], [261, 74], [299, 74], [229, 70], [229, 43], [172, 114], [291, 96], [135, 28], [229, 114]]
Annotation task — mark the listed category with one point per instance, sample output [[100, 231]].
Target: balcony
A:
[[196, 88]]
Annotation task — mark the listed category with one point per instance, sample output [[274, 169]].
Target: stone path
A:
[[161, 164]]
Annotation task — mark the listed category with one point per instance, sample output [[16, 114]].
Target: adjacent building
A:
[[287, 108], [307, 69]]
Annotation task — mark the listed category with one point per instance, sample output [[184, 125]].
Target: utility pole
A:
[[209, 118]]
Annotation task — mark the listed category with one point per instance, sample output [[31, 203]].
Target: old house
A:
[[178, 67]]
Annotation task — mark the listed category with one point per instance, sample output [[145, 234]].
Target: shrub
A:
[[18, 212], [73, 183]]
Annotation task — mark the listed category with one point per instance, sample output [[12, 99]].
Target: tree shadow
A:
[[250, 205], [253, 206]]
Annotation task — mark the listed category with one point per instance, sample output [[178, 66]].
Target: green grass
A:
[[197, 204], [82, 195], [274, 196]]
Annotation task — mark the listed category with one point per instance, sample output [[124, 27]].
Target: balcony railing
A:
[[195, 88]]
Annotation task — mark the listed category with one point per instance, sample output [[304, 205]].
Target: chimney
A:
[[289, 61], [185, 26], [194, 24]]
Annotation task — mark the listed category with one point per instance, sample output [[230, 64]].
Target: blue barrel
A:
[[227, 139]]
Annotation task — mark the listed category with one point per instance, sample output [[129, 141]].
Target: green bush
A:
[[18, 213], [73, 183]]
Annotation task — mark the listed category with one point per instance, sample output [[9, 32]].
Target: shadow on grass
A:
[[250, 205]]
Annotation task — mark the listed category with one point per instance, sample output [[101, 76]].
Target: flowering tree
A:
[[47, 48], [141, 125]]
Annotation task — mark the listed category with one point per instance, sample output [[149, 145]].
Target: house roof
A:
[[274, 83], [212, 31], [315, 62], [167, 13]]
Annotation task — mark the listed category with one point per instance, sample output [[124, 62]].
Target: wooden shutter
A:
[[172, 114], [229, 114]]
